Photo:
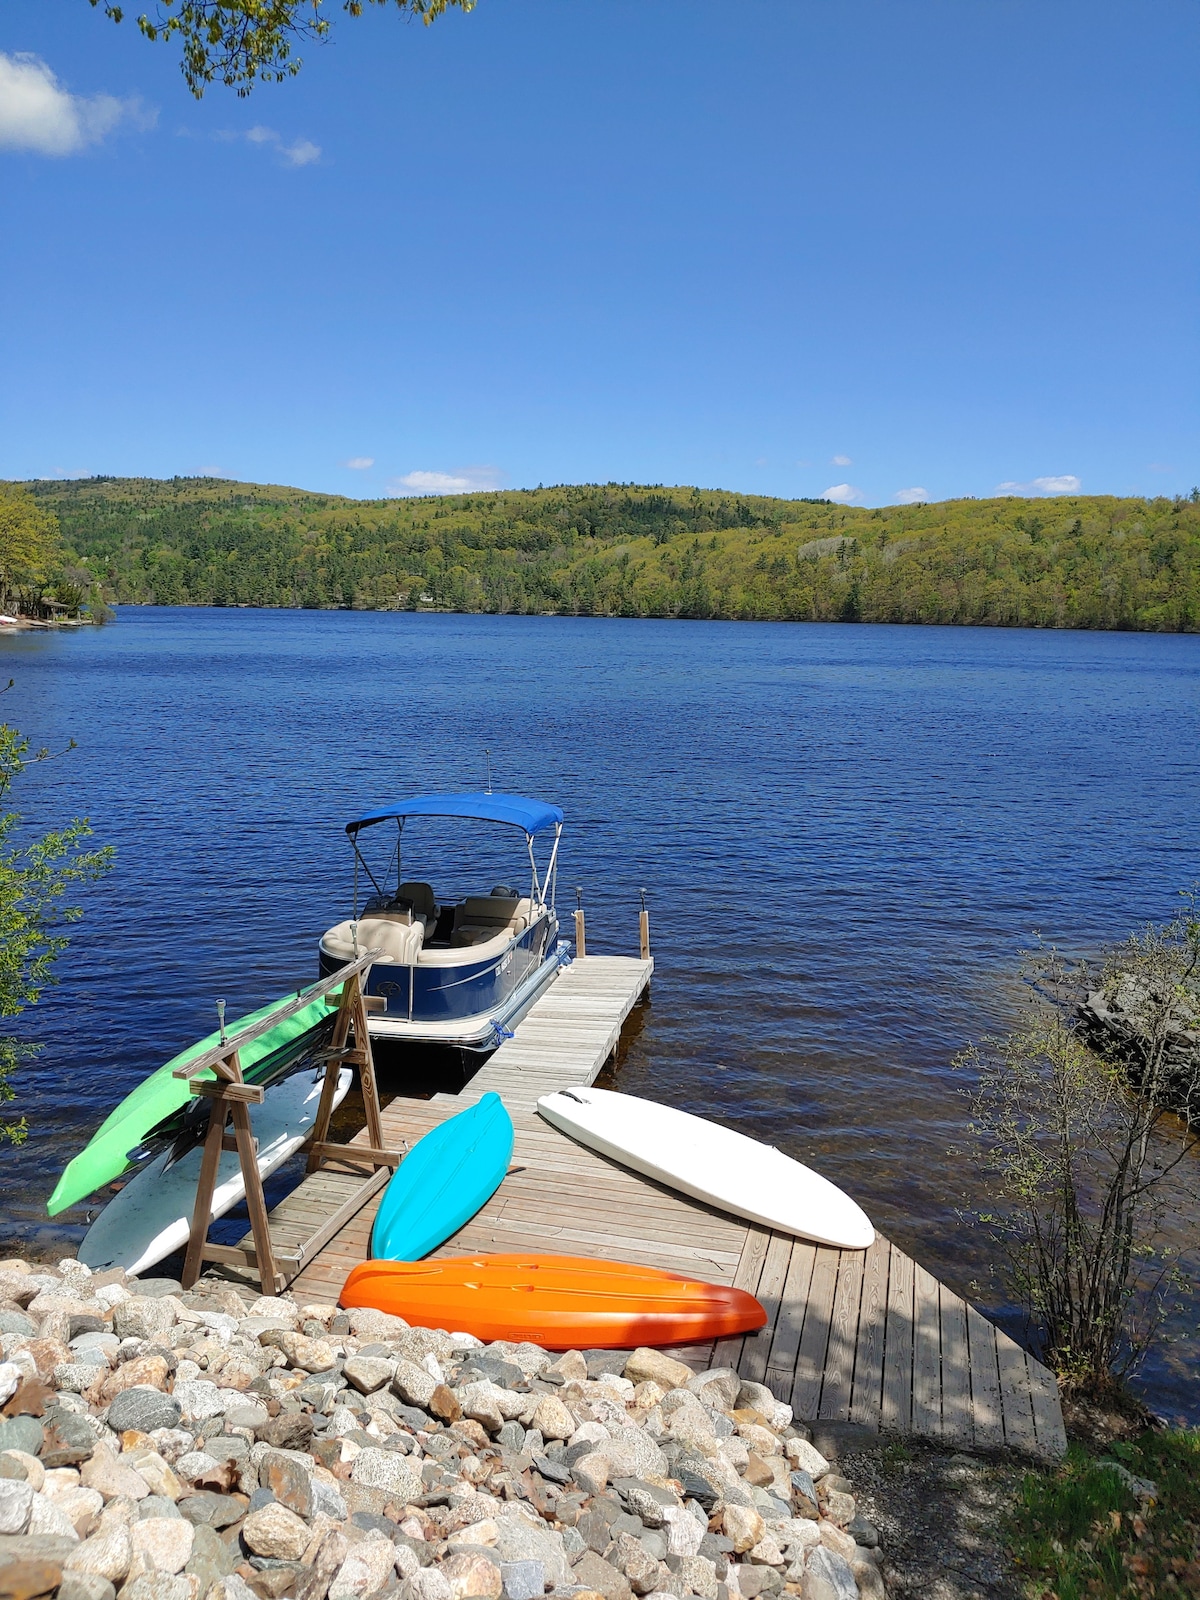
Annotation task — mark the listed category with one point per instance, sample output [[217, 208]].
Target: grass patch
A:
[[1086, 1531]]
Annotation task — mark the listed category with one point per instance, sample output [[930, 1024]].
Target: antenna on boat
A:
[[487, 756], [221, 1021]]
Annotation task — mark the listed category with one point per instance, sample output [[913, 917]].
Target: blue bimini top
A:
[[515, 809]]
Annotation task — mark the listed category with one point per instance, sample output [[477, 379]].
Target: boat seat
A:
[[482, 918], [422, 897], [400, 940]]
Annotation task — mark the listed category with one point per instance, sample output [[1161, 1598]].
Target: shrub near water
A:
[[1091, 1529]]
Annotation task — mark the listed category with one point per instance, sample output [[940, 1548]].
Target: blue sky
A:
[[782, 246]]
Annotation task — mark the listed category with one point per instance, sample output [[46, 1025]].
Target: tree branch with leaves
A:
[[244, 42], [38, 884]]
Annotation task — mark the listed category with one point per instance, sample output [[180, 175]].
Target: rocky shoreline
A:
[[158, 1445]]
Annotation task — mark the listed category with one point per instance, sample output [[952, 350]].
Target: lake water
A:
[[846, 833]]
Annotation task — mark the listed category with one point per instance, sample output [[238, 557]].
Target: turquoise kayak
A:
[[443, 1180], [162, 1095]]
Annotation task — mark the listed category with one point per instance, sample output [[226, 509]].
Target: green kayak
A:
[[161, 1095]]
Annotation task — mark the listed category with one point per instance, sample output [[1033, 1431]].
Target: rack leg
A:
[[256, 1203], [366, 1074], [341, 1033], [194, 1260]]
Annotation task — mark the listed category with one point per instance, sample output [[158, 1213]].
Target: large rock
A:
[[160, 1586], [144, 1409], [523, 1580], [212, 1558], [290, 1430], [807, 1458], [16, 1503], [161, 1544], [11, 1376], [275, 1531], [368, 1566], [718, 1387], [652, 1366], [593, 1572], [142, 1318], [303, 1353], [21, 1433], [198, 1399], [86, 1586], [743, 1525], [684, 1531], [69, 1438], [470, 1577], [827, 1577], [288, 1482], [399, 1475], [426, 1584], [517, 1539], [112, 1476], [149, 1371], [27, 1577], [81, 1507], [552, 1419], [368, 1373], [211, 1510], [634, 1454], [107, 1554], [154, 1472], [414, 1385], [45, 1517]]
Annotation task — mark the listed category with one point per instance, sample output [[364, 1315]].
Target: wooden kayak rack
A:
[[230, 1098]]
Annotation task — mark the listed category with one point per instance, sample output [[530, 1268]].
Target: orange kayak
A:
[[559, 1302]]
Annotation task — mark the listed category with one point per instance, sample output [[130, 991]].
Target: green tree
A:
[[244, 42], [38, 881], [28, 541]]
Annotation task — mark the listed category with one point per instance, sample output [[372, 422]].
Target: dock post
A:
[[580, 941], [644, 928]]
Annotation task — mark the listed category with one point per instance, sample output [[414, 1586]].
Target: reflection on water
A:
[[847, 835]]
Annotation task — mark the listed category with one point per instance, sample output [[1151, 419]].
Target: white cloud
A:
[[466, 480], [843, 493], [300, 153], [359, 463], [37, 113], [911, 497], [1064, 483], [841, 461]]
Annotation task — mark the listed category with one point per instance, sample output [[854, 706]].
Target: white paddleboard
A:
[[711, 1163], [152, 1215]]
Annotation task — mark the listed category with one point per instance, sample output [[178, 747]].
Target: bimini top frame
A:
[[518, 811]]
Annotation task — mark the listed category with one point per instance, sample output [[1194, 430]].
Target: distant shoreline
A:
[[1074, 562]]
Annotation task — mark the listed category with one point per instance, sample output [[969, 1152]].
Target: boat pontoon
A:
[[455, 972]]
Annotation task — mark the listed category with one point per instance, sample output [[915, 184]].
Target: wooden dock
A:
[[862, 1337]]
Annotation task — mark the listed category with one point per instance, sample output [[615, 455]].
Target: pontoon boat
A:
[[454, 972]]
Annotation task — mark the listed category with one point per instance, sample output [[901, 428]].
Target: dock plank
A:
[[898, 1345], [818, 1318], [837, 1381], [866, 1402]]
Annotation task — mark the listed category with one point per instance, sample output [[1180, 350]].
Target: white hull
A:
[[152, 1215], [711, 1163]]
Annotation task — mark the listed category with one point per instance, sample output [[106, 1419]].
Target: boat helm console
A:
[[454, 972]]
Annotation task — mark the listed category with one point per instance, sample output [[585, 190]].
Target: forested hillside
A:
[[616, 550]]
